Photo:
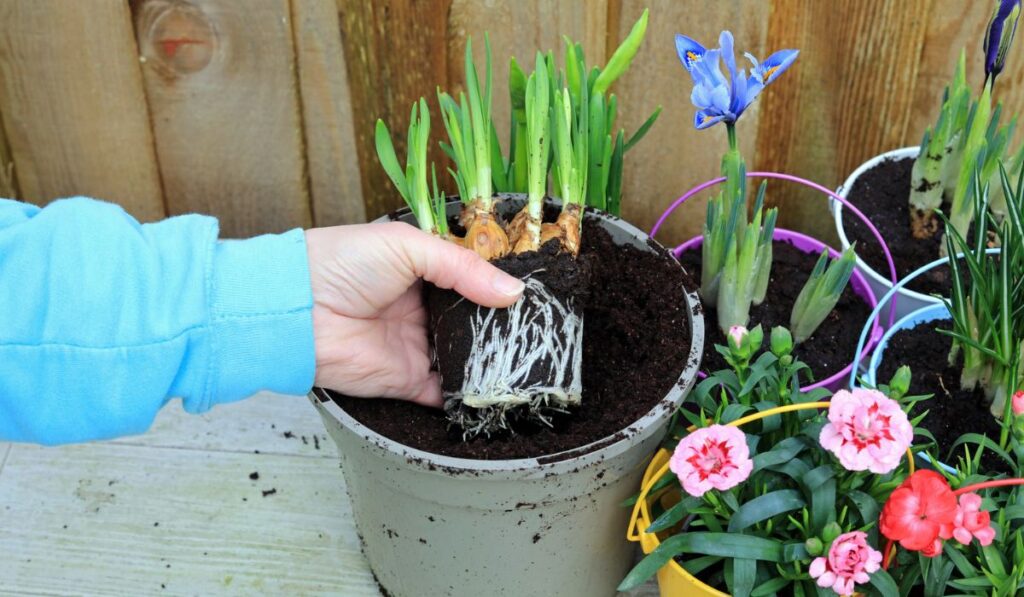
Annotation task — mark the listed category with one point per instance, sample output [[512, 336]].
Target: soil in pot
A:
[[636, 339], [952, 411], [833, 344], [883, 193]]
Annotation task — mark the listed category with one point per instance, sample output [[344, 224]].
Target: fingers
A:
[[430, 392], [448, 265]]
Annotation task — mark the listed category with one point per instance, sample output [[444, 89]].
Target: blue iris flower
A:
[[719, 99], [999, 35]]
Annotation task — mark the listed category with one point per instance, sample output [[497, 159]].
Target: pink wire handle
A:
[[807, 183]]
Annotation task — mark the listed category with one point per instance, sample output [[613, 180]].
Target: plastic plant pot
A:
[[859, 285], [551, 525], [923, 315], [906, 301], [673, 579]]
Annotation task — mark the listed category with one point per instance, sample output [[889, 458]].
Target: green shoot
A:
[[471, 133], [821, 293], [987, 308], [926, 189], [538, 133], [411, 182], [744, 261], [570, 149]]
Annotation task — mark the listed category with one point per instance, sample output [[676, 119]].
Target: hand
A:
[[369, 323]]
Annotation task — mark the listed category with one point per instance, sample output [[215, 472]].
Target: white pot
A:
[[907, 301]]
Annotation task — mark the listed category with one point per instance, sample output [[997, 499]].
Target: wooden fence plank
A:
[[396, 52], [72, 104], [674, 156], [519, 29], [221, 86], [848, 97], [327, 114]]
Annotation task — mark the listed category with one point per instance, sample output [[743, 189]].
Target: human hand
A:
[[369, 322]]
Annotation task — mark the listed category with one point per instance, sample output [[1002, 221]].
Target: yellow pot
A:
[[673, 579]]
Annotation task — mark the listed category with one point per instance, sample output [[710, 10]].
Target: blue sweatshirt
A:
[[103, 320]]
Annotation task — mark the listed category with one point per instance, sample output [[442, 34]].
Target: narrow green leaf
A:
[[764, 507]]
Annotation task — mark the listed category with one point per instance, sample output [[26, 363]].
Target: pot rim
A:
[[539, 466], [923, 315], [837, 217], [860, 287]]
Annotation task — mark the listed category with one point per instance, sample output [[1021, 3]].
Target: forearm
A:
[[103, 320]]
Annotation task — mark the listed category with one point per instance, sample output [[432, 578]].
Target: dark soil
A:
[[952, 411], [833, 344], [882, 194], [567, 279], [635, 344]]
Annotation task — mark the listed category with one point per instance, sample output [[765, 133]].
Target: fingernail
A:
[[507, 285]]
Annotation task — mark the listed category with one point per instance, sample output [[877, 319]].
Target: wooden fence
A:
[[261, 111]]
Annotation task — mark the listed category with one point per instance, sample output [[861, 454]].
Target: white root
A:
[[542, 339]]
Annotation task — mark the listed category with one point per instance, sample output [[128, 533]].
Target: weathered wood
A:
[[521, 29], [270, 423], [108, 519], [674, 156], [396, 52], [327, 114], [221, 86], [848, 96], [72, 104]]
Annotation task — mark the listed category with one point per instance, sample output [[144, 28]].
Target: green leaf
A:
[[823, 501], [673, 515], [784, 451], [770, 587], [622, 56], [881, 580], [764, 507], [642, 131], [744, 575], [388, 159]]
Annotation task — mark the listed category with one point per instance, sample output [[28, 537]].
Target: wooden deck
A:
[[244, 500]]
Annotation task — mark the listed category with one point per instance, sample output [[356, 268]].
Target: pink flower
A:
[[866, 431], [1018, 402], [850, 560], [738, 333], [714, 457], [972, 521]]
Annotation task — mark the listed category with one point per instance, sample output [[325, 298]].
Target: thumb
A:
[[448, 265]]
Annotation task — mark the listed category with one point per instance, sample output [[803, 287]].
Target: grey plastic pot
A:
[[553, 525]]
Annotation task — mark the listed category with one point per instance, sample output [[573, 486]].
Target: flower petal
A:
[[775, 65], [690, 52], [703, 119]]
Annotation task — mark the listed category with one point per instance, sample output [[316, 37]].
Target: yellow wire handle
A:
[[633, 533]]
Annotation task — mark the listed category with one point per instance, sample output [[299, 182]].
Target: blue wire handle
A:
[[888, 295]]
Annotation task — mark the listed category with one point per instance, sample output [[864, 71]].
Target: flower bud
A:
[[1018, 403], [814, 546], [736, 335], [999, 35], [899, 385], [782, 341], [1018, 429], [830, 532]]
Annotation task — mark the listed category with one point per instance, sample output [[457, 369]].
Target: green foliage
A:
[[987, 300], [411, 183], [538, 133], [747, 257], [759, 538], [821, 293], [590, 103], [472, 144]]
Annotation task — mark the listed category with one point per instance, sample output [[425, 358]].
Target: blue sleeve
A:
[[103, 320]]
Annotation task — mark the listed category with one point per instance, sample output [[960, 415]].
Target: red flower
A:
[[920, 512]]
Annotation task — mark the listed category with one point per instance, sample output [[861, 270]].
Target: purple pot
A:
[[860, 287]]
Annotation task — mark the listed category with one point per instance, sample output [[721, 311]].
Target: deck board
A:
[[270, 423], [115, 519]]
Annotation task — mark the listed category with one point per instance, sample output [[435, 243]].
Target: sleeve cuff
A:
[[261, 326]]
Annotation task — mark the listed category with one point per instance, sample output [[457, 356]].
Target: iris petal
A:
[[776, 64], [690, 52], [703, 119]]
